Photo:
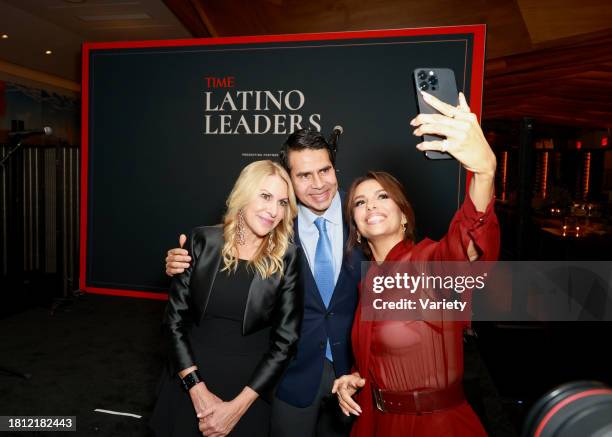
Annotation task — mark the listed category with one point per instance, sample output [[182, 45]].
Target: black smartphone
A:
[[439, 82]]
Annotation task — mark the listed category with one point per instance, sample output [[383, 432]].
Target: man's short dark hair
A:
[[305, 139]]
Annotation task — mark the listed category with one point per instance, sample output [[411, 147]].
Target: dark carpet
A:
[[98, 353], [102, 352]]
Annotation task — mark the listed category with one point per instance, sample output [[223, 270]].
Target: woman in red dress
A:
[[408, 375]]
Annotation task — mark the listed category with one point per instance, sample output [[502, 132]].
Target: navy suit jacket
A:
[[301, 381]]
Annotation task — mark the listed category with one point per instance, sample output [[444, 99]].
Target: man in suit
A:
[[303, 405]]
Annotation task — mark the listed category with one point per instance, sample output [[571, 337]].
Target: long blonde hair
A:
[[269, 257]]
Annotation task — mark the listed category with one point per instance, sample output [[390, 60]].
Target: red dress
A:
[[418, 355]]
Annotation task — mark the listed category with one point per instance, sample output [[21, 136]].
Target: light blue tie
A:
[[324, 269]]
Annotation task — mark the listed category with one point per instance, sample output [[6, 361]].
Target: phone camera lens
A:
[[432, 80], [422, 75], [423, 86]]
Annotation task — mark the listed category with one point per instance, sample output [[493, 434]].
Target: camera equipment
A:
[[581, 408], [427, 79]]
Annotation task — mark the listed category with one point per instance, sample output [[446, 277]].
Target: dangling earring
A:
[[240, 229], [270, 243], [358, 238]]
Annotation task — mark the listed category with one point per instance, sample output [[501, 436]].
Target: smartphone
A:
[[439, 82]]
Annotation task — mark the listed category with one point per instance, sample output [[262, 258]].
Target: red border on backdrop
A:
[[477, 30]]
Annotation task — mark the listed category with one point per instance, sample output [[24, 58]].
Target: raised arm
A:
[[475, 226]]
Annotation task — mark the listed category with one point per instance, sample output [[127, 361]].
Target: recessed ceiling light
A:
[[48, 52], [4, 36]]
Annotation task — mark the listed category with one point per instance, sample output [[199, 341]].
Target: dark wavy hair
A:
[[396, 192]]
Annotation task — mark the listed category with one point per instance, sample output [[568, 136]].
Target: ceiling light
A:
[[48, 52], [4, 36]]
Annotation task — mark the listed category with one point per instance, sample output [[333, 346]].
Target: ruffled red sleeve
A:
[[467, 225]]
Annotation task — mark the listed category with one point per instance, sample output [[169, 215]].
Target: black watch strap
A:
[[191, 379]]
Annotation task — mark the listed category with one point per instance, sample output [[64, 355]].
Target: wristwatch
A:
[[191, 379]]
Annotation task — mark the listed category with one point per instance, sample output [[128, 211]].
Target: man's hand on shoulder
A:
[[178, 259]]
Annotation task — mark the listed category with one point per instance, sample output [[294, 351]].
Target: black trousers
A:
[[323, 418]]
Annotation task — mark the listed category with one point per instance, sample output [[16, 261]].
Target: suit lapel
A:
[[261, 298], [246, 322], [210, 260], [345, 261]]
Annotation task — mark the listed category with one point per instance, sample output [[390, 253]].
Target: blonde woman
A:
[[234, 315]]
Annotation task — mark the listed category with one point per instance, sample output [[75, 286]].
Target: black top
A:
[[220, 331], [230, 288]]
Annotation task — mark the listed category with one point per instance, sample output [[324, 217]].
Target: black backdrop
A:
[[153, 172]]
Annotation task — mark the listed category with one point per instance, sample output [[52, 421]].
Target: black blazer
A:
[[276, 301]]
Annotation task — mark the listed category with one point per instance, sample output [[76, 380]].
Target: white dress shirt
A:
[[309, 235]]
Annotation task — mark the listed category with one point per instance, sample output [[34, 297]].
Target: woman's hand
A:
[[202, 398], [218, 419], [466, 142], [464, 137], [345, 387]]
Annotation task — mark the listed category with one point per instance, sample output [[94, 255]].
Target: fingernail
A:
[[425, 94], [412, 121]]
